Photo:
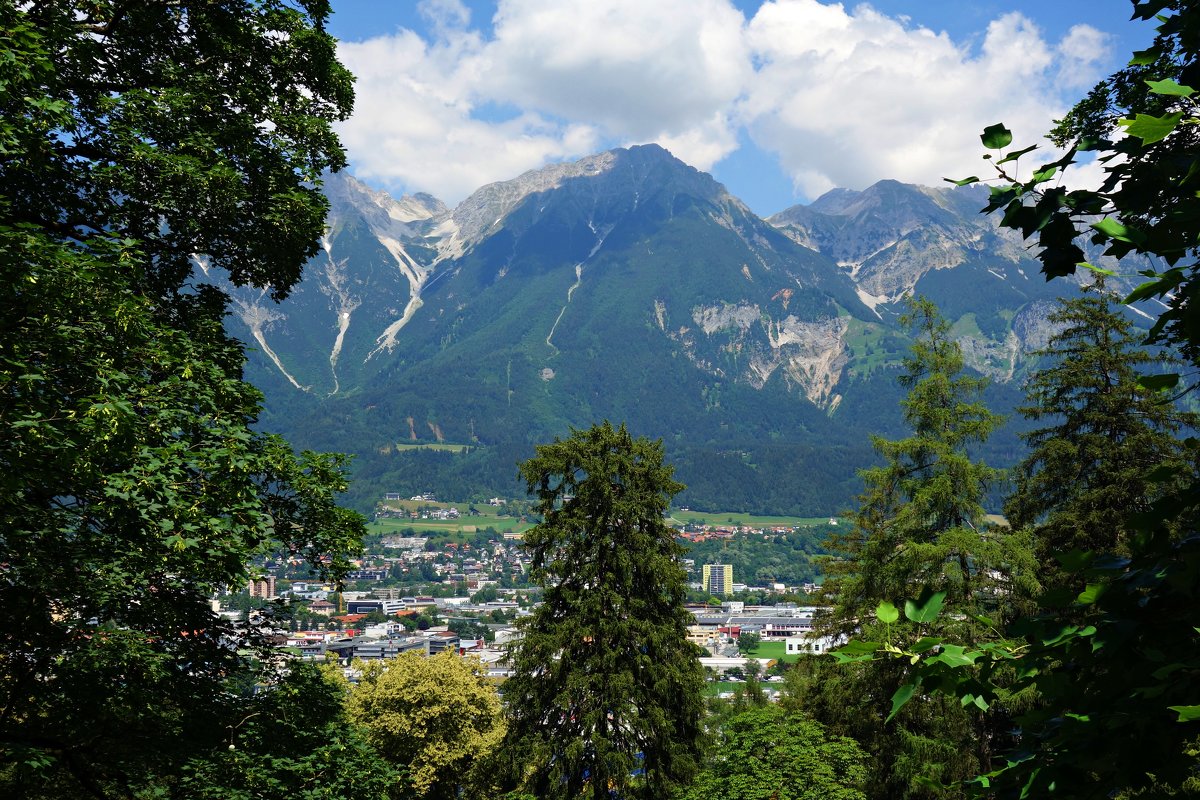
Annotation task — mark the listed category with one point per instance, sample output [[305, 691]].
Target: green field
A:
[[488, 517], [867, 342], [464, 524], [745, 520], [714, 688], [443, 446], [772, 651]]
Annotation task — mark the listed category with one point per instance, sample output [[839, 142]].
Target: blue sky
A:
[[779, 99]]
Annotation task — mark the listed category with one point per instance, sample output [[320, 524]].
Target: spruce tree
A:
[[1117, 713], [1102, 435], [606, 694]]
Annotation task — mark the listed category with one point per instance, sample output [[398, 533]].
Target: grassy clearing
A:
[[772, 651], [744, 520], [485, 517], [464, 524], [443, 446], [483, 509], [966, 326], [869, 344]]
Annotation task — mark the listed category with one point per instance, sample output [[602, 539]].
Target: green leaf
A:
[[969, 699], [1044, 174], [1145, 291], [926, 608], [1144, 58], [887, 613], [1015, 154], [955, 655], [1068, 632], [842, 658], [926, 643], [1155, 383], [962, 181], [902, 696], [1170, 87], [1091, 594], [1150, 128], [996, 137], [1115, 230], [856, 647], [1094, 268], [1186, 713]]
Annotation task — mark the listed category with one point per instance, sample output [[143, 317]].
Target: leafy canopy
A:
[[435, 718], [134, 136], [770, 754]]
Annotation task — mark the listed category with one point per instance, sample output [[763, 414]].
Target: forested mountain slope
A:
[[630, 286]]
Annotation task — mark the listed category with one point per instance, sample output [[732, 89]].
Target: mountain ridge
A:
[[630, 286]]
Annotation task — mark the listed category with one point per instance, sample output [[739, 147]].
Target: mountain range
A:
[[440, 345]]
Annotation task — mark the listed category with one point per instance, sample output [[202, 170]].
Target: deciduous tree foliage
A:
[[134, 136], [606, 693], [770, 754], [293, 742], [435, 718]]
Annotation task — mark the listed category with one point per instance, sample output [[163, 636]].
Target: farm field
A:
[[464, 524], [681, 517], [486, 517], [445, 447]]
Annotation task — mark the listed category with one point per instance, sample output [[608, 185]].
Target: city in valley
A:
[[439, 576]]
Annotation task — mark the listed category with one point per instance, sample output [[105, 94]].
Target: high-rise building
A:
[[262, 587], [718, 578]]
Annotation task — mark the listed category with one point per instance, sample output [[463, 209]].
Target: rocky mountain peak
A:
[[622, 177]]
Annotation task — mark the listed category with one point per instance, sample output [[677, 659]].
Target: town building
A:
[[717, 579], [263, 587]]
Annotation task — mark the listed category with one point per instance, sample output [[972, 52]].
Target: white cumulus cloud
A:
[[848, 97], [841, 97]]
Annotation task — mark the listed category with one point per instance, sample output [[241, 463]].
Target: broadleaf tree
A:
[[141, 145], [437, 719], [767, 753], [606, 694], [293, 742]]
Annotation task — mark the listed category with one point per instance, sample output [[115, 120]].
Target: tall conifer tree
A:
[[1102, 436], [920, 525], [606, 694], [921, 521]]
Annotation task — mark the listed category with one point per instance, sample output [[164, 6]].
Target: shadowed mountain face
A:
[[628, 286]]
